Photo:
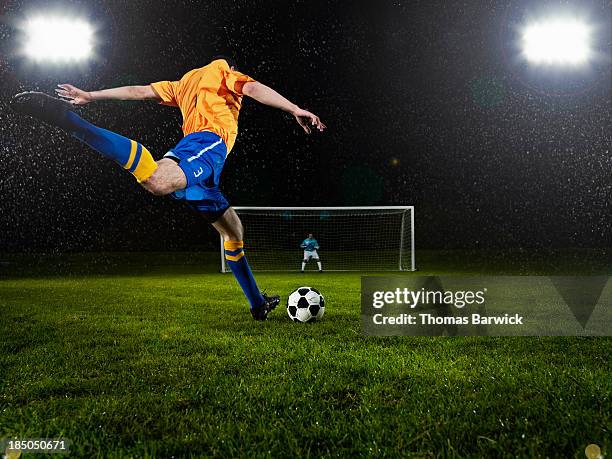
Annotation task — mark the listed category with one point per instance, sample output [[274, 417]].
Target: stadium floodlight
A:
[[58, 39], [557, 41], [350, 238]]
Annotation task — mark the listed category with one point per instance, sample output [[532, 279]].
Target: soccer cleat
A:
[[39, 105], [270, 302]]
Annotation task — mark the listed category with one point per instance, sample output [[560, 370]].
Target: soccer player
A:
[[310, 246], [210, 99]]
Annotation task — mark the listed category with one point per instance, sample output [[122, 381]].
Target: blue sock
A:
[[130, 154], [234, 256]]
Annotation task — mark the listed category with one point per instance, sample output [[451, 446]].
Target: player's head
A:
[[310, 235], [230, 60]]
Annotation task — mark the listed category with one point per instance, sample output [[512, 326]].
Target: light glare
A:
[[58, 39], [557, 42]]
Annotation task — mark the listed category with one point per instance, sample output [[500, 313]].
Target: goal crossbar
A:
[[326, 208]]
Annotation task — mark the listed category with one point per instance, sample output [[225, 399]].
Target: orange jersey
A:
[[209, 98]]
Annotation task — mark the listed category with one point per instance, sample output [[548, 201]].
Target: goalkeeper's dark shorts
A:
[[201, 156]]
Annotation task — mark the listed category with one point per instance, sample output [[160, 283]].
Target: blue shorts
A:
[[201, 156]]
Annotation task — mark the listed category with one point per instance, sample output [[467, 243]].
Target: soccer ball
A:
[[306, 304]]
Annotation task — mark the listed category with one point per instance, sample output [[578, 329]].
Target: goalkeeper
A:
[[310, 246], [210, 99]]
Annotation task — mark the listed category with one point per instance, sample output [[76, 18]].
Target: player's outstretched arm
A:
[[77, 96], [268, 96]]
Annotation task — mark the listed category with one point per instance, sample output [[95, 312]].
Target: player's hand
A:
[[73, 94], [308, 120]]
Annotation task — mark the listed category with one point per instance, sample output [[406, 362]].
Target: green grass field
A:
[[156, 356]]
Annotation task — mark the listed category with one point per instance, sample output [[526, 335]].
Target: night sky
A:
[[427, 103]]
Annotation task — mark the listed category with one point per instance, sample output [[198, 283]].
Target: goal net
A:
[[349, 238]]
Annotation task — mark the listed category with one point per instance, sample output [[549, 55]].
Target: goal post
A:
[[366, 238]]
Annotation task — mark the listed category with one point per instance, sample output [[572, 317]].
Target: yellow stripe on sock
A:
[[132, 155], [233, 245], [146, 166], [234, 257]]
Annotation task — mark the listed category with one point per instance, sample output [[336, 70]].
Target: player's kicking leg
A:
[[131, 155], [160, 178]]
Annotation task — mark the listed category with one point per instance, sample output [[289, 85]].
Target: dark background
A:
[[427, 104]]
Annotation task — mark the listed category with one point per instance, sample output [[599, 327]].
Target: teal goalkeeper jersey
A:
[[309, 245]]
